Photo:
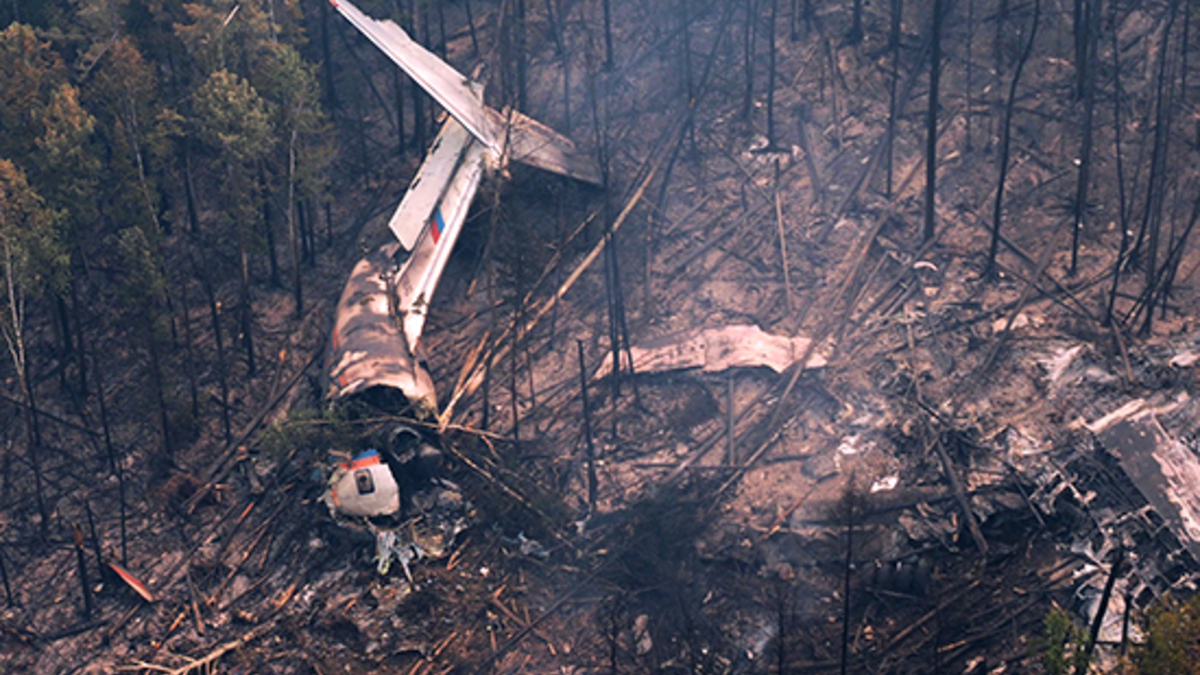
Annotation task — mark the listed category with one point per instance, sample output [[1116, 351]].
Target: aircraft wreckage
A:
[[382, 311]]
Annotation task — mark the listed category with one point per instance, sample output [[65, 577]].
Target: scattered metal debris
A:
[[395, 494]]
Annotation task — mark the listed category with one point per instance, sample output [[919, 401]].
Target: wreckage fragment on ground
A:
[[713, 350], [374, 350], [395, 493]]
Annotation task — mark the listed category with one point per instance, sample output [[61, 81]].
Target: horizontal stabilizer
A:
[[523, 139], [533, 143], [450, 88]]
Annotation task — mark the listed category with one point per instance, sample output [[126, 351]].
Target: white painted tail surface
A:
[[450, 88], [506, 136]]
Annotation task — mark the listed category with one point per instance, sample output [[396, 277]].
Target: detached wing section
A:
[[450, 88]]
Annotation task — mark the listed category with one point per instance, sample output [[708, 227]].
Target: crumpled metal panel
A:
[[716, 349], [368, 348], [1165, 471], [533, 143]]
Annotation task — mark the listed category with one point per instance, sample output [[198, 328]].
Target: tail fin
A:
[[524, 139]]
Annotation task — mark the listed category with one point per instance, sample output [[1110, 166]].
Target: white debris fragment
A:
[[363, 487], [1022, 444], [1057, 363], [390, 546], [885, 484], [1124, 412], [1185, 359], [1021, 321], [641, 635], [848, 445]]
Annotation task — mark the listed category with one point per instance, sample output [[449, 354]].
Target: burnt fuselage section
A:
[[369, 355]]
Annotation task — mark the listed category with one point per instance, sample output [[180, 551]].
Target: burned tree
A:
[[931, 123], [1006, 140]]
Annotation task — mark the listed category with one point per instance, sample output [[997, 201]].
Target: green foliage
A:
[[134, 129], [1172, 645], [29, 73], [32, 255], [64, 158], [1061, 646], [44, 129], [232, 117], [290, 86], [144, 281], [310, 431], [225, 34], [290, 83]]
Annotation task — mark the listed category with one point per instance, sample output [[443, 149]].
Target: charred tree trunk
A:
[[33, 427], [268, 228], [1080, 31], [1005, 141], [856, 23], [80, 355], [298, 294], [471, 28], [66, 340], [849, 500], [771, 146], [331, 100], [398, 96], [998, 42], [970, 73], [894, 38], [417, 94], [189, 188], [522, 58], [608, 46], [148, 322], [8, 594], [748, 34], [1088, 86], [214, 309], [1123, 215], [589, 445], [441, 17], [246, 308], [114, 462], [931, 121], [1156, 182]]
